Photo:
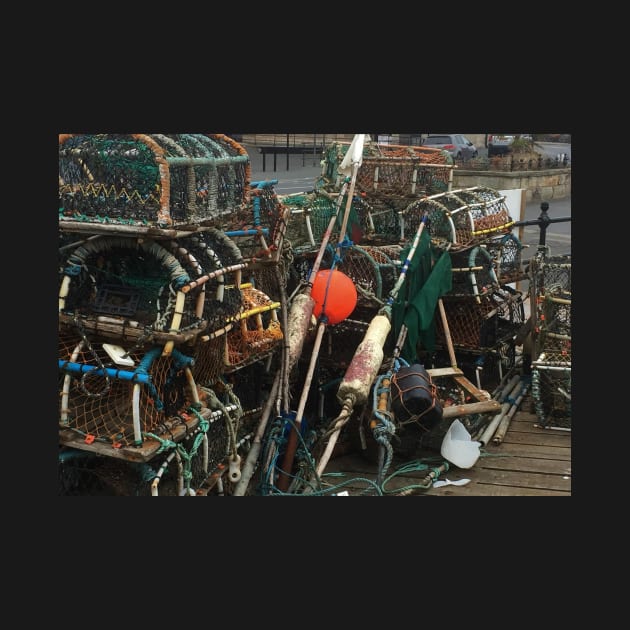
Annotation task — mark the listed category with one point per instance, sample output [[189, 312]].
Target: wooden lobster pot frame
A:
[[150, 180]]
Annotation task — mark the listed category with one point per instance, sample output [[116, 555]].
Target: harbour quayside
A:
[[369, 337]]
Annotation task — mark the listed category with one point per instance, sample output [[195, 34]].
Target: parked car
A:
[[460, 147], [499, 144]]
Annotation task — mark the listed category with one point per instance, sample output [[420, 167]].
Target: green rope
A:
[[164, 444], [413, 466]]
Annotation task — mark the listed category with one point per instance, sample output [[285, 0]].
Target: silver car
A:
[[459, 146]]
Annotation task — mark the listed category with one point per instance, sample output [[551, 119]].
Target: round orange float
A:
[[334, 294]]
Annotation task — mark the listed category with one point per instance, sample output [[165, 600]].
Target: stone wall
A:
[[539, 185]]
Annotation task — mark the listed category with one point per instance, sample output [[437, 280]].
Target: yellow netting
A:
[[257, 332]]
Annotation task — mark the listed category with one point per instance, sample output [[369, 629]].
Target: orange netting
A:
[[101, 408]]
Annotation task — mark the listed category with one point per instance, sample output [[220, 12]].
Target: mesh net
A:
[[155, 180], [551, 390], [97, 398], [551, 295], [391, 170], [473, 272], [506, 251], [460, 218], [481, 323]]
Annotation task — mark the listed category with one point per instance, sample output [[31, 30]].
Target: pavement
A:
[[300, 166]]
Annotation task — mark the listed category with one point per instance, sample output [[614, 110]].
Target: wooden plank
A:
[[541, 438], [475, 489], [523, 480], [533, 427], [482, 483], [143, 453], [525, 464], [532, 450]]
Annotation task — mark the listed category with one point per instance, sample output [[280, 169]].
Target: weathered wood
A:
[[475, 489], [455, 411], [535, 450], [124, 331], [519, 479], [530, 461], [143, 453], [542, 438], [444, 371], [525, 464]]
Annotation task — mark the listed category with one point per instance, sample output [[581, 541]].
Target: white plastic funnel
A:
[[458, 447]]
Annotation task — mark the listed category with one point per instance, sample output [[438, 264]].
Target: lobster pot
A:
[[212, 254], [373, 272], [506, 251], [473, 272], [311, 213], [554, 337], [308, 217], [415, 397], [550, 275], [460, 218], [551, 391], [150, 180], [371, 269], [130, 290], [484, 323], [391, 170], [255, 333], [119, 405], [551, 292], [341, 340], [200, 455], [258, 226]]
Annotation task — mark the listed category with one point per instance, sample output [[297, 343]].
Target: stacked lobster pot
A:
[[389, 179], [551, 327], [166, 285], [483, 312]]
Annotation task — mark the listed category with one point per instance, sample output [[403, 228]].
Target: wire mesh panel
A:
[[140, 180]]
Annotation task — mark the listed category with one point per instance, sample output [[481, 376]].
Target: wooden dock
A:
[[530, 461]]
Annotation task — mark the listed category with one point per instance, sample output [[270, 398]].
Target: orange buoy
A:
[[334, 294]]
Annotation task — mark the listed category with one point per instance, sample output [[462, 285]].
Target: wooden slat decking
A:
[[531, 461]]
